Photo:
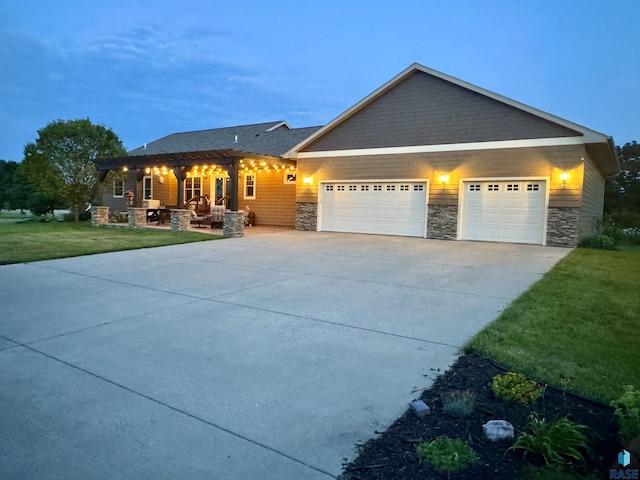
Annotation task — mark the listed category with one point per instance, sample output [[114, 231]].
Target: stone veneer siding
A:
[[562, 226], [99, 215], [442, 222], [137, 217], [180, 219], [233, 224], [307, 216]]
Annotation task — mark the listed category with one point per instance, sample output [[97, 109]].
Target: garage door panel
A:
[[503, 211], [391, 208]]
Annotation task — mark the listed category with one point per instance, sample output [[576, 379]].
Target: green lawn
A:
[[28, 242], [580, 321]]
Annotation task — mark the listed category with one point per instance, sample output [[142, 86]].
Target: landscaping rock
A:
[[420, 408], [498, 430]]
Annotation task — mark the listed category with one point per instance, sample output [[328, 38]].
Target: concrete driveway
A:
[[262, 357]]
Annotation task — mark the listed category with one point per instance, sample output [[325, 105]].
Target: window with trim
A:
[[118, 188], [249, 186], [192, 187], [147, 190]]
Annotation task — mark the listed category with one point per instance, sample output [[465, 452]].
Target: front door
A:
[[218, 189]]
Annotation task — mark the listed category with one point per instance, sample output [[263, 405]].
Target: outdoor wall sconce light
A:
[[307, 180], [125, 169], [564, 176], [444, 179]]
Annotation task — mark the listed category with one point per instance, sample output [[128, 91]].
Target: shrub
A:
[[447, 454], [632, 234], [627, 411], [597, 240], [119, 217], [561, 442], [515, 387], [460, 404]]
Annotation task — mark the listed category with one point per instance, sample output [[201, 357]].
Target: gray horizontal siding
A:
[[426, 110]]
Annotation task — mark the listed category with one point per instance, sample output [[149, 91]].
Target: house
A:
[[183, 166], [425, 155]]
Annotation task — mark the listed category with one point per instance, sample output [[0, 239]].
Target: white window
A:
[[418, 187], [377, 188], [474, 187], [404, 188], [249, 186], [341, 188], [391, 188], [533, 187], [512, 187], [118, 188], [329, 188], [192, 187], [493, 187], [353, 188], [364, 188], [147, 188]]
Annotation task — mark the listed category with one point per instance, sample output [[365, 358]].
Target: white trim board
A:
[[451, 147]]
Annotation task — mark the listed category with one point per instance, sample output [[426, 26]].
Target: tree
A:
[[60, 162], [622, 192], [7, 170]]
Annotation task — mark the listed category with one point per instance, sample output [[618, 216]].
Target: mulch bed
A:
[[392, 455]]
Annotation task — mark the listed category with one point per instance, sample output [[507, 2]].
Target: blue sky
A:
[[150, 68]]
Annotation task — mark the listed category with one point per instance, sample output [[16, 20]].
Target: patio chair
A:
[[249, 217], [217, 216], [199, 221]]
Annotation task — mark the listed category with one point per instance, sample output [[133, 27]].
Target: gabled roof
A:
[[270, 138], [588, 136]]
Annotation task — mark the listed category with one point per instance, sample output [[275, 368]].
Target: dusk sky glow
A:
[[148, 68]]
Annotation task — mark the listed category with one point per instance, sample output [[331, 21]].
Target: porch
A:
[[179, 188]]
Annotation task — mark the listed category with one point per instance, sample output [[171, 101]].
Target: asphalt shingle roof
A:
[[257, 138]]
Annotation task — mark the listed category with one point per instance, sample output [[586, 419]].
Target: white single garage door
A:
[[504, 211], [387, 208]]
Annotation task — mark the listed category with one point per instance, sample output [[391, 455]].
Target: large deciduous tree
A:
[[622, 193], [60, 162], [7, 170]]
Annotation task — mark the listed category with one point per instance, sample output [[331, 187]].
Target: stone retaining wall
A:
[[307, 216]]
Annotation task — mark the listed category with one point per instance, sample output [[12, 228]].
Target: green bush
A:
[[561, 442], [515, 387], [460, 404], [632, 234], [597, 240], [627, 411], [447, 454]]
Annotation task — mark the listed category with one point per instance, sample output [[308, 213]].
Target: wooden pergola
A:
[[180, 163]]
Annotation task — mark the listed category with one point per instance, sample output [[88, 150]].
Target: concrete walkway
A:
[[267, 356]]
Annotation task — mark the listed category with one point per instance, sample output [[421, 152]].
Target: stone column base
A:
[[180, 220], [442, 222], [99, 215], [137, 217], [307, 216], [562, 226], [233, 224]]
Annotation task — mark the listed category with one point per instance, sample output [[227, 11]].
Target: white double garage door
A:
[[502, 211]]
